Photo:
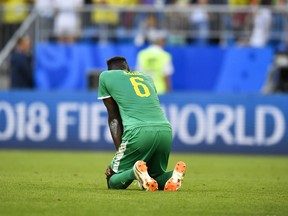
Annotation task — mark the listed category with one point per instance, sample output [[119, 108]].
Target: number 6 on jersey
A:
[[136, 82]]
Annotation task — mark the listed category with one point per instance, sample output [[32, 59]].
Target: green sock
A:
[[122, 180], [162, 179]]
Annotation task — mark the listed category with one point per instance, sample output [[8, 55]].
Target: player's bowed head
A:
[[118, 63]]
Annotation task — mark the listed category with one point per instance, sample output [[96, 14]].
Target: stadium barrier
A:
[[218, 123]]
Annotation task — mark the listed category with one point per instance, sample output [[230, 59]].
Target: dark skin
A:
[[114, 121], [114, 117], [116, 129]]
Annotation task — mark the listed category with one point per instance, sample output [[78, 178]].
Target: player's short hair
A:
[[117, 63]]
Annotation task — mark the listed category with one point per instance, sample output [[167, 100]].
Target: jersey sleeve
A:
[[102, 88]]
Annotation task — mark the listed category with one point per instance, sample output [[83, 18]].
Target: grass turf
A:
[[73, 183]]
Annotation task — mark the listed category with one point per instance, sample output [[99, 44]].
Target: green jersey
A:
[[136, 96]]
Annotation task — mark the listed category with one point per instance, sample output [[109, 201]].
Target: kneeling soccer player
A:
[[140, 131]]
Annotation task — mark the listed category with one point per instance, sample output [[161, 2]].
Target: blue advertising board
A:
[[197, 68], [218, 123]]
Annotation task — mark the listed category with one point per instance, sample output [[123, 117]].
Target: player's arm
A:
[[168, 71], [168, 83], [114, 121]]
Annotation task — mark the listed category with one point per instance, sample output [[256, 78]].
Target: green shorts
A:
[[151, 144]]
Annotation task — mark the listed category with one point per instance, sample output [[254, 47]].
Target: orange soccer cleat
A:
[[174, 183], [141, 174]]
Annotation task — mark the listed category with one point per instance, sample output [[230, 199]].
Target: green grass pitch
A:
[[73, 183]]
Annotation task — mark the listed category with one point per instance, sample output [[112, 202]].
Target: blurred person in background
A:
[[220, 22], [240, 20], [21, 65], [106, 21], [111, 25], [277, 78], [177, 23], [46, 13], [262, 20], [148, 24], [279, 23], [67, 23], [157, 62], [14, 13], [125, 31], [200, 23], [155, 3]]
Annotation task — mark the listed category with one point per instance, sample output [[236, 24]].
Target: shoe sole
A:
[[148, 183], [174, 183]]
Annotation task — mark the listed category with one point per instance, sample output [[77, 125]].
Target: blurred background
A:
[[228, 74], [208, 39]]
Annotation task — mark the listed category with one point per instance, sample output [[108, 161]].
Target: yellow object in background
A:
[[14, 11], [101, 16], [239, 2]]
